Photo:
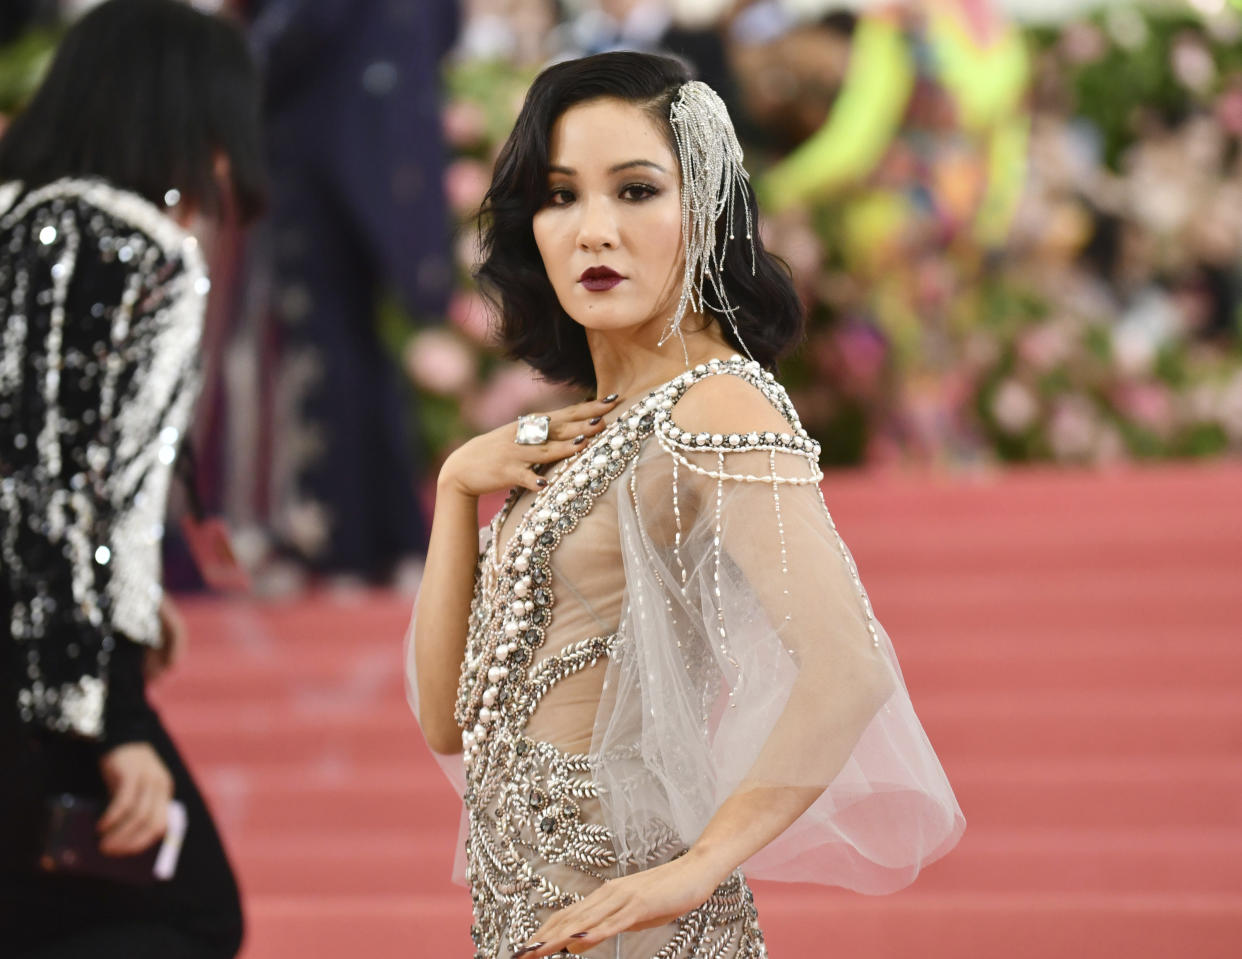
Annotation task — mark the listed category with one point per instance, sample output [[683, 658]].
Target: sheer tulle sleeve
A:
[[748, 657]]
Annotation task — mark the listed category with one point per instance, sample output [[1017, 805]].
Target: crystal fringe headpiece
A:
[[713, 180]]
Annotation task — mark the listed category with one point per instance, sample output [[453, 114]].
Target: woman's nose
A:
[[597, 230]]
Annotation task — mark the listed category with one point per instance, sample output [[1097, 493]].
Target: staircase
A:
[[1071, 640]]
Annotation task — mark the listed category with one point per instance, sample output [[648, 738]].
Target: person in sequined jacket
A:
[[144, 131]]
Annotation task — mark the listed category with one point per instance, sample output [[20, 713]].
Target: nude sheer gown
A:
[[672, 619]]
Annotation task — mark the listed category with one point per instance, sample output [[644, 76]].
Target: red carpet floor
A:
[[1072, 641]]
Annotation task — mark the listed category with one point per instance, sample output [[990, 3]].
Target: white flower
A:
[[1013, 406]]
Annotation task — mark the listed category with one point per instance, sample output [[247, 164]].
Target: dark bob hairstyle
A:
[[145, 94], [533, 325]]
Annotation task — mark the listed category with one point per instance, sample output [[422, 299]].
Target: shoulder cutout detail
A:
[[745, 410], [729, 400]]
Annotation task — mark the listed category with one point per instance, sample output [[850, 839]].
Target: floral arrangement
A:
[[1106, 328], [1059, 352], [1055, 383]]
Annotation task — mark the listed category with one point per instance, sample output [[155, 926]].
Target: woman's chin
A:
[[604, 318]]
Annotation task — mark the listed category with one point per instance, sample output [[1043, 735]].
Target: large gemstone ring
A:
[[532, 430]]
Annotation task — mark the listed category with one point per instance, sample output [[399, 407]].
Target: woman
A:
[[658, 664], [145, 127]]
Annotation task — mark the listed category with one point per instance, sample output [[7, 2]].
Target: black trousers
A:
[[195, 915]]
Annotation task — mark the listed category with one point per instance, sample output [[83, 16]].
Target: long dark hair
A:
[[144, 94], [533, 325]]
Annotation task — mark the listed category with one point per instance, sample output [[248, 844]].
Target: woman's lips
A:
[[597, 279]]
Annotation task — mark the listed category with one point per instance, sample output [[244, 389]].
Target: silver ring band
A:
[[532, 430]]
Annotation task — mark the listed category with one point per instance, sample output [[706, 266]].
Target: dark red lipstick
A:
[[597, 279]]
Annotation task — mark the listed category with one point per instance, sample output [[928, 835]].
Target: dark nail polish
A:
[[611, 397], [541, 482], [594, 419], [579, 438], [578, 935]]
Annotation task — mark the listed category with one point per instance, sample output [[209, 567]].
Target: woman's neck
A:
[[629, 364]]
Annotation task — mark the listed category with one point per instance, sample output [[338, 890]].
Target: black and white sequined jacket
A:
[[101, 311]]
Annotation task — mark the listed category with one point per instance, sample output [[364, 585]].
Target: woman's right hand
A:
[[493, 461]]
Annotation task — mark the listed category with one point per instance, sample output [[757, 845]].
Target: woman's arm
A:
[[744, 824], [748, 820], [443, 611], [139, 784], [487, 463]]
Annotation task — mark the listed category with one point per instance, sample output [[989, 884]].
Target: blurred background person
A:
[[655, 26], [923, 151], [144, 131], [358, 227]]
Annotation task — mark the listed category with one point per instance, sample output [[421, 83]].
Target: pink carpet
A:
[[1072, 641]]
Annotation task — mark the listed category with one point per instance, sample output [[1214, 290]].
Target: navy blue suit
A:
[[357, 158]]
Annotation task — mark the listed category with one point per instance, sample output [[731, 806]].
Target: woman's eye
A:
[[559, 197], [638, 191]]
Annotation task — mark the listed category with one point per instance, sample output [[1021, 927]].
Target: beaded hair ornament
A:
[[713, 180]]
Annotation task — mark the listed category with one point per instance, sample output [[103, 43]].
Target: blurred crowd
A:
[[1016, 242], [1030, 252]]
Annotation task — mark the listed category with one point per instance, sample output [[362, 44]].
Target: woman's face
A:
[[610, 229]]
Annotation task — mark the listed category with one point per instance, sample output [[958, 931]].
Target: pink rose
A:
[[465, 183], [1147, 404], [469, 313], [438, 361], [1044, 346], [1073, 428], [512, 390], [464, 123]]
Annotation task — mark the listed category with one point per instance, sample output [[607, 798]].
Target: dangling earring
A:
[[712, 179]]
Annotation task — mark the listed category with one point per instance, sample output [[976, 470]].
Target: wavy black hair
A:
[[533, 326], [144, 94]]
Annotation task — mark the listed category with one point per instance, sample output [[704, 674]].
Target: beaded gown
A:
[[672, 619]]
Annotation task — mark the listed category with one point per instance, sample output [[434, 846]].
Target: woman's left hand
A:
[[141, 787], [641, 901]]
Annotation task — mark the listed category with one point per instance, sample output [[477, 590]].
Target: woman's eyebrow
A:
[[616, 168], [629, 163]]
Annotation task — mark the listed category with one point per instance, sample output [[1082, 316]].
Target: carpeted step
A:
[[978, 924]]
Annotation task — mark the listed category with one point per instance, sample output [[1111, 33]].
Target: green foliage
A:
[[22, 65], [1123, 85]]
